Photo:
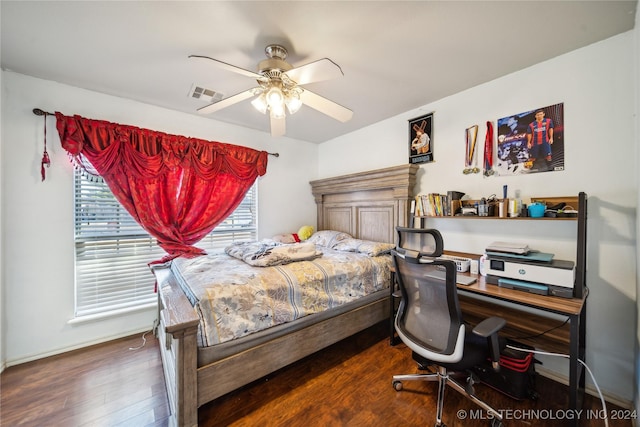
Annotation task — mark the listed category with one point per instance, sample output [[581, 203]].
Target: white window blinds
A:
[[112, 250]]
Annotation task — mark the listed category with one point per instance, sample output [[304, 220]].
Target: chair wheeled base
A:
[[444, 378]]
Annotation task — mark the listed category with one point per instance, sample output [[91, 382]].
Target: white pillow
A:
[[366, 247], [328, 238]]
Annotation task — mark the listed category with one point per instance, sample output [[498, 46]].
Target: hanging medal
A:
[[470, 151], [488, 151]]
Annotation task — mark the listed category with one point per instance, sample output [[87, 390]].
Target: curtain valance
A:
[[149, 153]]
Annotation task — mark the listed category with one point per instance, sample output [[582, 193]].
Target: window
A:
[[112, 250]]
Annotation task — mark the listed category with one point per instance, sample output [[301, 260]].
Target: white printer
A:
[[527, 270]]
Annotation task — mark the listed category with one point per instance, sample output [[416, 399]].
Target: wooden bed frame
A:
[[367, 205]]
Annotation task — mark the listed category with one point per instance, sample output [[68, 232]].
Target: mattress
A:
[[235, 300]]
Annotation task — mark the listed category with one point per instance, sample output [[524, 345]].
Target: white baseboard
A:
[[56, 352], [589, 389]]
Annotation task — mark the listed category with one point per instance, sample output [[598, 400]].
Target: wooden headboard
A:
[[368, 205]]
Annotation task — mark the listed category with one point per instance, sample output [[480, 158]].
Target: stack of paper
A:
[[509, 247], [532, 256]]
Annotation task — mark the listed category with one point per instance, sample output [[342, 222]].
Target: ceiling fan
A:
[[279, 87]]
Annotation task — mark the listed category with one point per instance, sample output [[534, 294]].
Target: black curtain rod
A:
[[39, 112]]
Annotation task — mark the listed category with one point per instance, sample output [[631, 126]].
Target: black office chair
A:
[[429, 322]]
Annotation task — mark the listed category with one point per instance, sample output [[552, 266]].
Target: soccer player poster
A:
[[531, 142]]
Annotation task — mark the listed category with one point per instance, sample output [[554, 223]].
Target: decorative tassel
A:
[[45, 156], [45, 162]]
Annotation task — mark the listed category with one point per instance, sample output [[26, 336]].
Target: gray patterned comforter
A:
[[234, 299]]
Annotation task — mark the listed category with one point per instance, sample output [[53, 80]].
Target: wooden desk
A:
[[533, 327]]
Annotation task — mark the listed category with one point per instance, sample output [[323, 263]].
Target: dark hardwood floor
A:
[[347, 384], [102, 385]]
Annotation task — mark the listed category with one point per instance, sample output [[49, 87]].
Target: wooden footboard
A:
[[178, 346], [223, 376]]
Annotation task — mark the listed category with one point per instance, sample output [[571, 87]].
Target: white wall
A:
[[37, 217], [595, 84], [637, 157], [2, 321]]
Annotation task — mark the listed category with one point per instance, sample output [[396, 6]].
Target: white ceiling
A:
[[396, 56]]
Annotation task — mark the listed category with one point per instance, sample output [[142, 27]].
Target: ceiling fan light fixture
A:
[[293, 102], [260, 103], [275, 98], [277, 111]]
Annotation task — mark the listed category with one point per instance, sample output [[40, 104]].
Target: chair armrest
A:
[[489, 328]]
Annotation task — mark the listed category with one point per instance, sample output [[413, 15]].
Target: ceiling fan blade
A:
[[278, 126], [317, 71], [229, 67], [227, 102], [326, 106]]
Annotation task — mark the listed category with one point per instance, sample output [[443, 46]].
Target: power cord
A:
[[544, 332], [566, 356], [144, 339]]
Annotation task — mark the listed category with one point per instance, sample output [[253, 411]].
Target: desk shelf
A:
[[569, 201], [579, 201], [495, 218]]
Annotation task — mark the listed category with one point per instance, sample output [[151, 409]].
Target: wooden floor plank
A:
[[347, 384]]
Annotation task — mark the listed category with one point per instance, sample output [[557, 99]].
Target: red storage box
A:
[[516, 377]]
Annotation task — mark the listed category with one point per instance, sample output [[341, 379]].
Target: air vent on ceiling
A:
[[204, 94]]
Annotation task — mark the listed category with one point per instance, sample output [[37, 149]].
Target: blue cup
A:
[[536, 210]]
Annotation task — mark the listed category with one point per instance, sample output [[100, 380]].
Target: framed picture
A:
[[421, 139], [531, 142]]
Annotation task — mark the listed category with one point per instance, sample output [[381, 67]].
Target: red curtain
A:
[[177, 188]]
